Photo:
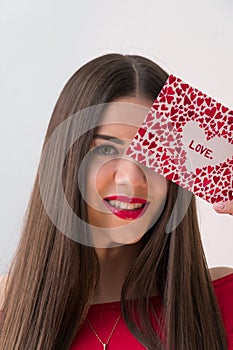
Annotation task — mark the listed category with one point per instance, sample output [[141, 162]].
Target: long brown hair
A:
[[52, 278]]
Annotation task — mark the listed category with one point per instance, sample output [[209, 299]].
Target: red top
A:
[[103, 318]]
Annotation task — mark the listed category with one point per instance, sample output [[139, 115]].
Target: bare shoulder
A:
[[220, 271], [3, 279]]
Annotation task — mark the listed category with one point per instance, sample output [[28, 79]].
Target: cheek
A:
[[158, 184], [99, 179]]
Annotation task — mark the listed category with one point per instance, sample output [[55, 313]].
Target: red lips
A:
[[126, 214], [126, 199]]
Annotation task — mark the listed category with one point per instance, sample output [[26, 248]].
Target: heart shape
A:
[[211, 112], [141, 132], [203, 152]]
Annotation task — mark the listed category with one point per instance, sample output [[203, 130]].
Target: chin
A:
[[115, 236]]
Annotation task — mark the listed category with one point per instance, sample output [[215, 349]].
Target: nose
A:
[[129, 174]]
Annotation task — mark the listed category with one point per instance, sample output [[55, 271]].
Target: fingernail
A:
[[219, 206]]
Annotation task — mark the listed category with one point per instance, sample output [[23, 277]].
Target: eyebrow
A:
[[109, 137]]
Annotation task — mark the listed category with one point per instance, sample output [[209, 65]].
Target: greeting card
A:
[[187, 137]]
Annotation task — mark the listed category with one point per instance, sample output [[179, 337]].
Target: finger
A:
[[224, 207]]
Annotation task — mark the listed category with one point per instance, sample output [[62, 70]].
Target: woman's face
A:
[[124, 198]]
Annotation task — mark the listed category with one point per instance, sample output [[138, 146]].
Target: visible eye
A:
[[105, 149]]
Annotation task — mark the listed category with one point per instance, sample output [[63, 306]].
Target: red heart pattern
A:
[[177, 104]]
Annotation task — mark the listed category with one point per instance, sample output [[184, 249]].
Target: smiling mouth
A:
[[127, 210]]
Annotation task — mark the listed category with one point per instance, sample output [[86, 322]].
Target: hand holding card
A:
[[188, 137]]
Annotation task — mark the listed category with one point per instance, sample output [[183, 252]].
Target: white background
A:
[[44, 42]]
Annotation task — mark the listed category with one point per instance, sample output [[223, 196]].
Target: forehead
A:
[[123, 118]]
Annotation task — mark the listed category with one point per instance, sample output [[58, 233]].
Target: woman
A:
[[86, 249]]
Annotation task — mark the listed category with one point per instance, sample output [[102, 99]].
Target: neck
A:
[[115, 264]]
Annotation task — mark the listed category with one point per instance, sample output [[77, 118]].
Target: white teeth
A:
[[123, 205]]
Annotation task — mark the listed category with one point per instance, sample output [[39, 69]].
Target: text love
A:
[[206, 152]]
